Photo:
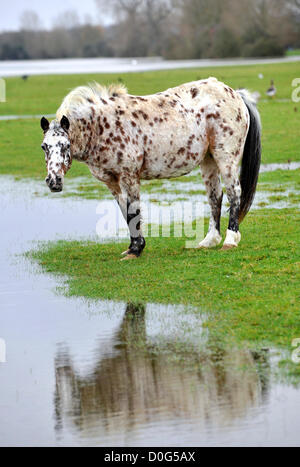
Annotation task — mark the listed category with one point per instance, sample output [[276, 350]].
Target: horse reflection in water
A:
[[138, 384]]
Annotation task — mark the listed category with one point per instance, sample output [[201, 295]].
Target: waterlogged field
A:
[[246, 299], [250, 295]]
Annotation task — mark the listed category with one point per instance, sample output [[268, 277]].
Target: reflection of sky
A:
[[11, 11]]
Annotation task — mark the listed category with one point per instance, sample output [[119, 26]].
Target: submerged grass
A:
[[277, 183], [251, 293]]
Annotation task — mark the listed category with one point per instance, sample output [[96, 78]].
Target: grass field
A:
[[252, 293], [20, 152], [43, 94], [292, 53]]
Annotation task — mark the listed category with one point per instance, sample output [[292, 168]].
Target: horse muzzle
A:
[[55, 183]]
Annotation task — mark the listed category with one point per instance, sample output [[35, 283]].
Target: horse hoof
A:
[[129, 257], [212, 240], [228, 247]]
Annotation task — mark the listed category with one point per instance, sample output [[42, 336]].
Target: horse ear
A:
[[45, 124], [64, 123]]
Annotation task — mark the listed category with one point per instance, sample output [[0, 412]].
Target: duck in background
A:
[[271, 92]]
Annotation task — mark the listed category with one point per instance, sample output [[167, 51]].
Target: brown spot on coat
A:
[[120, 157], [194, 92]]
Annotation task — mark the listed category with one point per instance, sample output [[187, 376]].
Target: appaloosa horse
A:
[[124, 138]]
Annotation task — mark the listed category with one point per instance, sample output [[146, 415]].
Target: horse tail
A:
[[251, 157]]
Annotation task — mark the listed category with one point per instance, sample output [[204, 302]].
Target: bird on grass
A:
[[271, 92]]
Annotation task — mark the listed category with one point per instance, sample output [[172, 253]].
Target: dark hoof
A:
[[135, 249]]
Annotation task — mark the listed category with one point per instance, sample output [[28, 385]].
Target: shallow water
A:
[[120, 65], [105, 373]]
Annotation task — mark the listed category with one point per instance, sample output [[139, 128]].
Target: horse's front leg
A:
[[128, 199]]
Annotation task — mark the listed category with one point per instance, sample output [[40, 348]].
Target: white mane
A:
[[83, 95]]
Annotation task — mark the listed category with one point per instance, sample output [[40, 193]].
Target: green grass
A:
[[251, 293], [43, 94], [279, 119], [292, 53], [279, 181], [20, 152], [290, 177]]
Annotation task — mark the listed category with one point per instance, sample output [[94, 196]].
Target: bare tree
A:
[[67, 20], [30, 21], [294, 5], [156, 14], [121, 9], [129, 39]]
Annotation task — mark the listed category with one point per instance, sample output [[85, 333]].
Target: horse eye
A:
[[44, 147]]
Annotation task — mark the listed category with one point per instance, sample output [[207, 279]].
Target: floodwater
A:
[[113, 374], [121, 65]]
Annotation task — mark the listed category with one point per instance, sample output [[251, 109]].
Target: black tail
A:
[[251, 158]]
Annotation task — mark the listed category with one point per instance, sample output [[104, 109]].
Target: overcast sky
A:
[[11, 10]]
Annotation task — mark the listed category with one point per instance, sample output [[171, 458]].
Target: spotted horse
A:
[[124, 139]]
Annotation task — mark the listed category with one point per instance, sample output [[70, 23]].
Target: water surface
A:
[[105, 373]]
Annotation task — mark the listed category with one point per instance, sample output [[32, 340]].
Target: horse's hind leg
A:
[[230, 175], [211, 178]]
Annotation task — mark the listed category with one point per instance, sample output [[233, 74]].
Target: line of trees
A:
[[174, 29]]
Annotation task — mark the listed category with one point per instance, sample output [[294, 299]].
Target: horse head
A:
[[56, 146]]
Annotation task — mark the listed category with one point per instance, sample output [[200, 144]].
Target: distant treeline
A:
[[82, 41], [175, 29]]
